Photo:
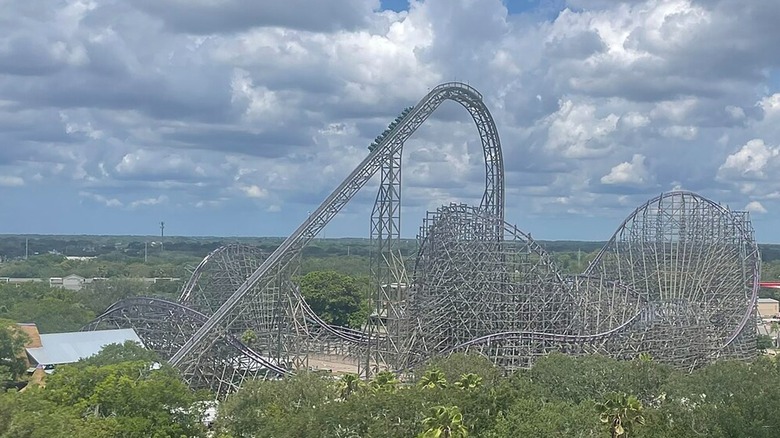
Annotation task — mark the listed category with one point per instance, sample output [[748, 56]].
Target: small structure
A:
[[768, 308], [71, 282], [63, 348]]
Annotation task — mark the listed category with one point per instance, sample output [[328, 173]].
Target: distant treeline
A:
[[16, 246]]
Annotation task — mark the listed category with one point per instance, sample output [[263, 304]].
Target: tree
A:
[[100, 294], [53, 314], [764, 342], [433, 378], [444, 422], [287, 407], [12, 342], [333, 296], [113, 354], [457, 364], [144, 400], [349, 384], [529, 416], [384, 381], [620, 412], [469, 381], [249, 337], [120, 392]]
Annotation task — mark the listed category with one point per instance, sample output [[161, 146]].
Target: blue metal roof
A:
[[59, 348]]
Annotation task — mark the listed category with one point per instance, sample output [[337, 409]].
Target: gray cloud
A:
[[207, 17], [153, 106]]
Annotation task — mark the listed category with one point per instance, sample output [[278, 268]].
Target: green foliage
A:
[[577, 379], [105, 266], [12, 342], [764, 342], [52, 310], [53, 314], [348, 385], [99, 295], [384, 381], [433, 378], [621, 413], [249, 337], [444, 422], [56, 310], [727, 399], [113, 354], [457, 364], [286, 407], [529, 416], [120, 392], [352, 265], [335, 297], [469, 381]]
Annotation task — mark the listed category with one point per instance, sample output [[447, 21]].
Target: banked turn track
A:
[[678, 279]]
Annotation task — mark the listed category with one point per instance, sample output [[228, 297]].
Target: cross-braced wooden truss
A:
[[678, 280]]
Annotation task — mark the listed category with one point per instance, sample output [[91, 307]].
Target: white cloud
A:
[[108, 202], [577, 132], [634, 120], [770, 105], [735, 112], [162, 199], [750, 162], [755, 207], [254, 191], [11, 181], [127, 100], [628, 173], [681, 132]]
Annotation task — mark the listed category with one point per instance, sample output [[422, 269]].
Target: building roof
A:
[[767, 300], [59, 348]]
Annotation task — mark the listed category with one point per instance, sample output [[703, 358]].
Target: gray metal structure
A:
[[274, 268], [678, 280]]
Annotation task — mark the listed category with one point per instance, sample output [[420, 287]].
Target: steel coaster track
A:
[[197, 273], [543, 336], [130, 303], [344, 333], [492, 201]]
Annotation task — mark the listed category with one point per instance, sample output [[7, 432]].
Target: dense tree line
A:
[[346, 256], [124, 391], [56, 310], [338, 298], [559, 397]]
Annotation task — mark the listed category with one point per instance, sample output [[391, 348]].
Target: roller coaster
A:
[[678, 280]]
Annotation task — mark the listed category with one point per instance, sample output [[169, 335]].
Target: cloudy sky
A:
[[237, 117]]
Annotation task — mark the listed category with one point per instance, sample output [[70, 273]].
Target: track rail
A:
[[743, 227], [135, 302], [492, 201]]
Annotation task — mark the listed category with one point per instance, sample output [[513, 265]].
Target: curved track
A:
[[678, 279], [218, 275], [493, 198], [687, 272], [165, 325]]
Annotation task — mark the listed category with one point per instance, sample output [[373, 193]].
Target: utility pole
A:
[[26, 247], [162, 235], [146, 250]]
